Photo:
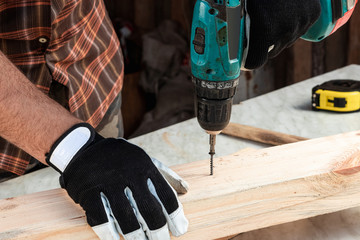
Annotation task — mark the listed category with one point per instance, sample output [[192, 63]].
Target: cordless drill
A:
[[219, 49]]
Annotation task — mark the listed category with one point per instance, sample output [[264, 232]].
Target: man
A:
[[69, 51], [61, 76]]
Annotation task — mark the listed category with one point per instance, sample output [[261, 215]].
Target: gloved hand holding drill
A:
[[228, 36], [274, 25]]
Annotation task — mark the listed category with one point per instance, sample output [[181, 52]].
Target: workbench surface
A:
[[287, 110]]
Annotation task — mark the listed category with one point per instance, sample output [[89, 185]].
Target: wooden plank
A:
[[133, 108], [260, 135], [181, 12], [123, 9], [318, 58], [336, 47], [283, 66], [46, 215], [302, 60], [250, 190], [145, 15], [354, 38]]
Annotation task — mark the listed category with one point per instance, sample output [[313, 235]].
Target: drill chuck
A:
[[213, 103]]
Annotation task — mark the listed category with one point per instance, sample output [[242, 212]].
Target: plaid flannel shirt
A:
[[70, 42]]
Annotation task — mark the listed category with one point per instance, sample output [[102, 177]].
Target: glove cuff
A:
[[77, 138]]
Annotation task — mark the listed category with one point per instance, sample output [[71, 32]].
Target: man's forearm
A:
[[28, 118]]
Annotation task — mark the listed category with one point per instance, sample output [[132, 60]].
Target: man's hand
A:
[[118, 186], [273, 25]]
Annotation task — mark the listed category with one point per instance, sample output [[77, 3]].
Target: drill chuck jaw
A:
[[213, 103]]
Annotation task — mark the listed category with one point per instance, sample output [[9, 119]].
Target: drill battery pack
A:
[[337, 96]]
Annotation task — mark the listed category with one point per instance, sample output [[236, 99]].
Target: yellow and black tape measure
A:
[[337, 95]]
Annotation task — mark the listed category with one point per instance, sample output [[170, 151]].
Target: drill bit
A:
[[212, 142]]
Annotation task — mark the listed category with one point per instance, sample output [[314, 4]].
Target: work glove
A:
[[118, 185], [273, 25]]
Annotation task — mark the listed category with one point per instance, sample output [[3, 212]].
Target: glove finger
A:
[[121, 215], [257, 50], [93, 207], [149, 214], [97, 215], [172, 208], [179, 184], [276, 22], [106, 231], [257, 55]]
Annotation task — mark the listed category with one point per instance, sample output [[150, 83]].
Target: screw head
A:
[[43, 40]]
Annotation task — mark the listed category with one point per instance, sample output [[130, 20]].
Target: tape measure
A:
[[337, 96]]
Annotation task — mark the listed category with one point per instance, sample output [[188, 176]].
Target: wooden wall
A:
[[305, 59], [295, 64], [147, 14]]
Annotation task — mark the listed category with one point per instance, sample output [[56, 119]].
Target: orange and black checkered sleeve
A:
[[71, 42]]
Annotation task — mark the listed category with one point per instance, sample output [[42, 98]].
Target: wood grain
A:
[[144, 15], [250, 190], [134, 107], [260, 135], [302, 60]]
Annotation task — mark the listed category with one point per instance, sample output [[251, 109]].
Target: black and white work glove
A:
[[273, 25], [118, 185]]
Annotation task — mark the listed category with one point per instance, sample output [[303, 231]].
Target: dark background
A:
[[302, 61]]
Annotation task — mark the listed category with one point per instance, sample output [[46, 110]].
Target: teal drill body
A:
[[210, 54], [215, 74], [331, 12], [216, 71], [219, 49]]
